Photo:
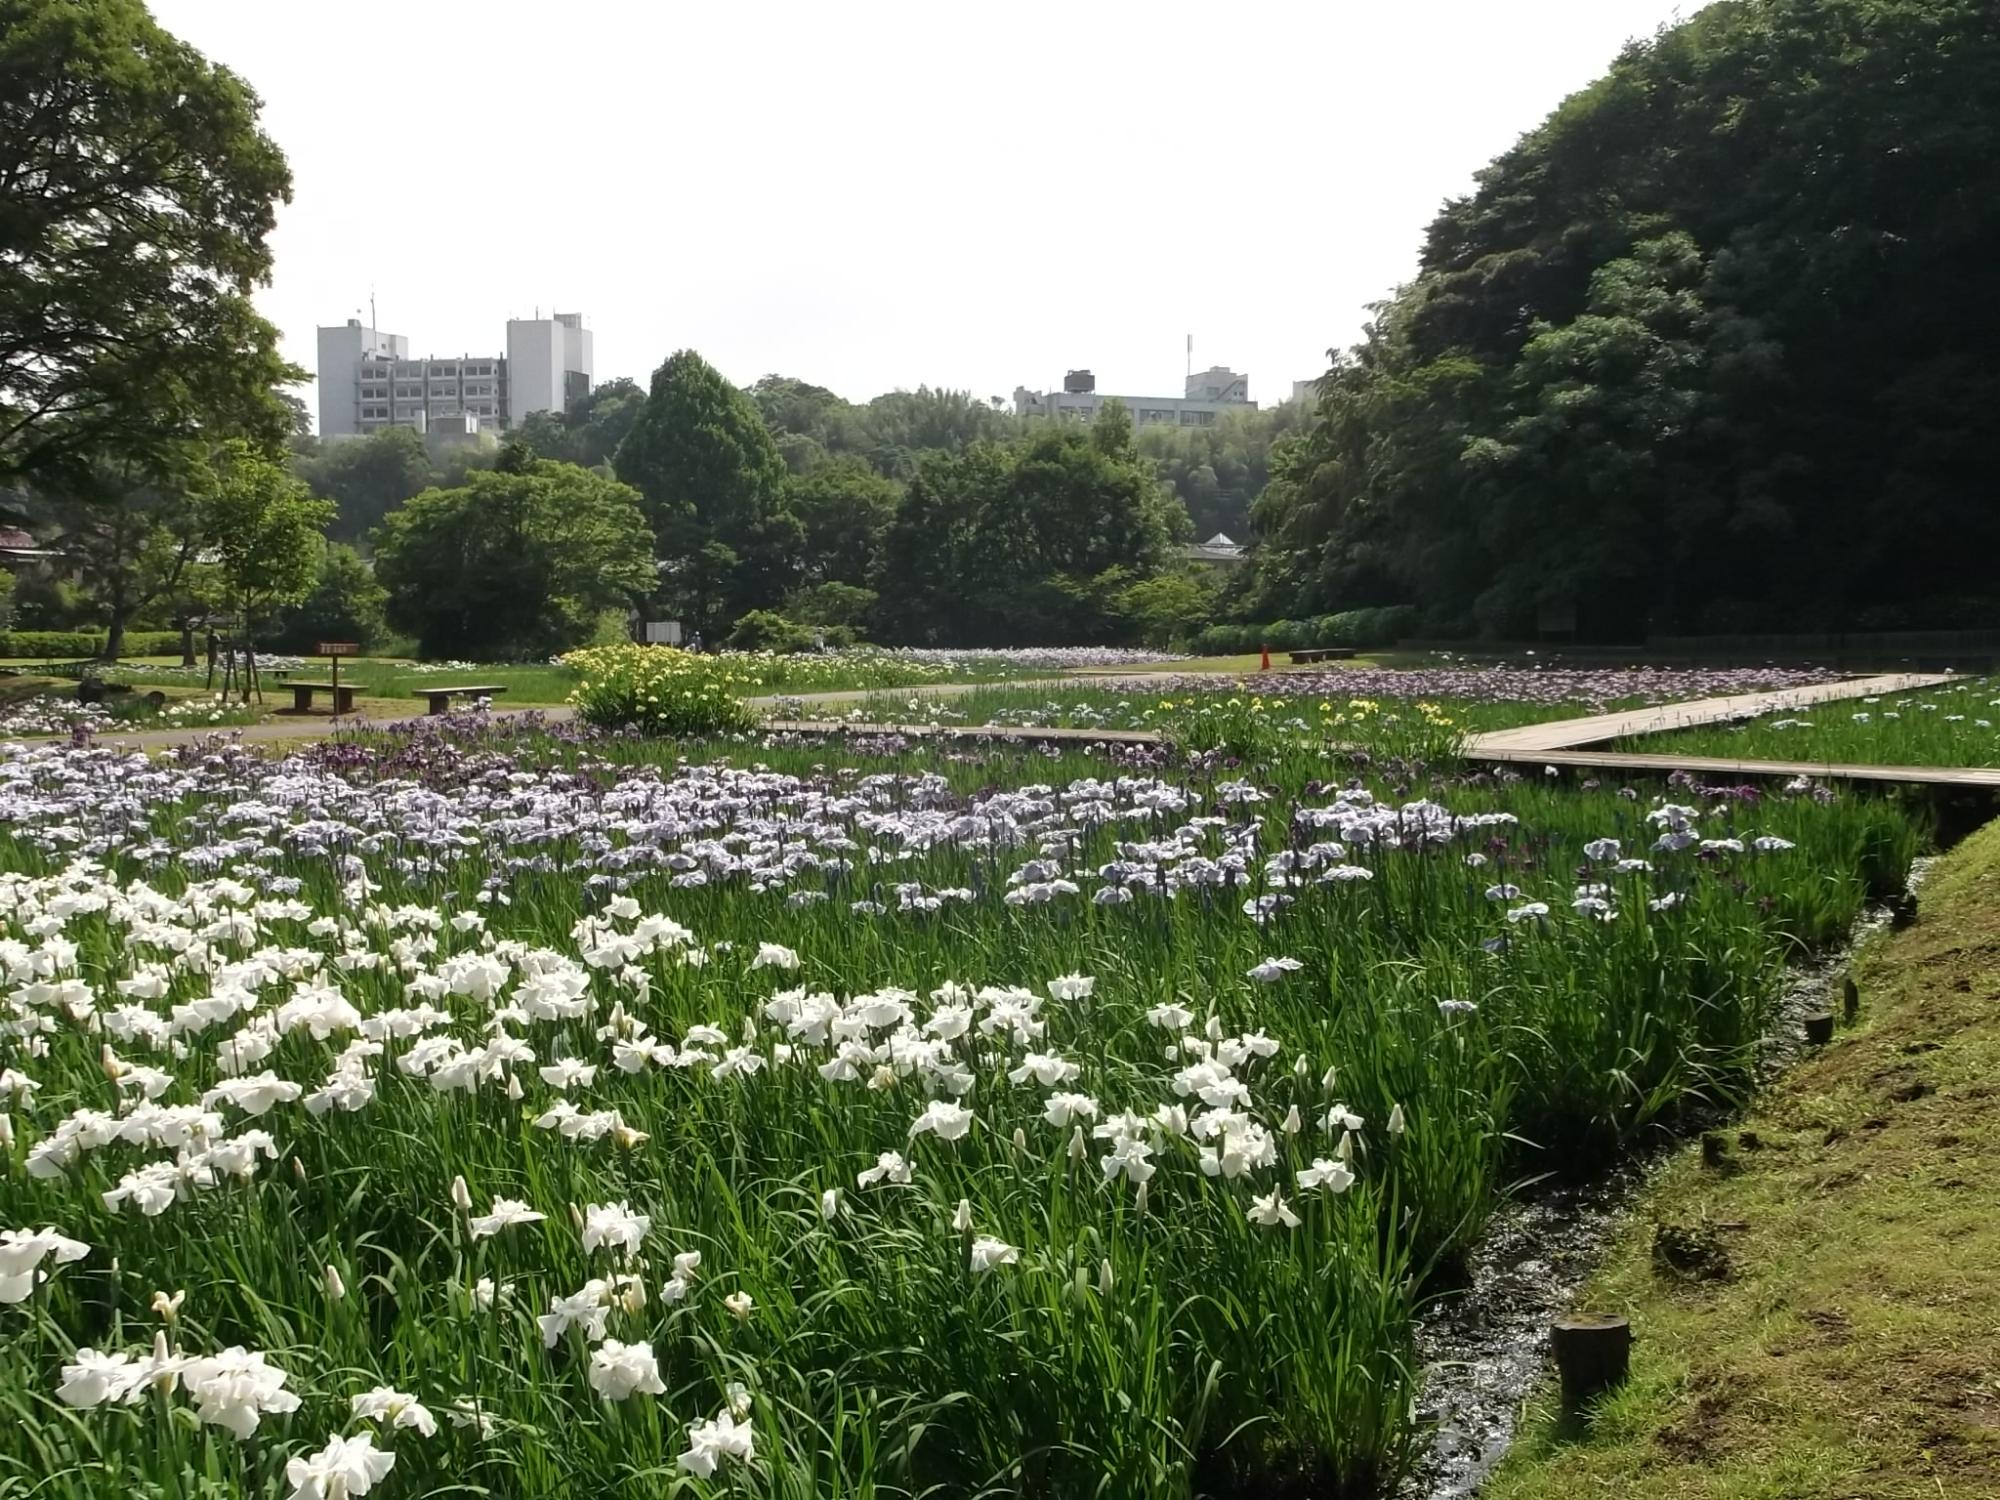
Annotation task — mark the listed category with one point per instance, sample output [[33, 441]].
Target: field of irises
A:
[[1414, 713], [1950, 725], [489, 1109]]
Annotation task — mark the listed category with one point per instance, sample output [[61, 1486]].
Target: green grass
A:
[[1853, 1348], [1954, 725]]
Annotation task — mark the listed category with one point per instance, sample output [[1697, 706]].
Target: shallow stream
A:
[[1484, 1345]]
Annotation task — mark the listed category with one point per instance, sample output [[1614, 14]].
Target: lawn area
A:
[[1953, 725], [1851, 1347]]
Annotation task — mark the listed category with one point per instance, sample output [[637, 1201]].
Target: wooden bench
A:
[[302, 696], [1321, 653], [440, 698]]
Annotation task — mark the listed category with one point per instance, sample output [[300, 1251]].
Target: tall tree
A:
[[367, 477], [714, 491], [136, 195], [1711, 348], [517, 563], [1025, 543], [130, 530], [263, 529], [844, 508]]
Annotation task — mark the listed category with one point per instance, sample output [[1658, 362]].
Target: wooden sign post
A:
[[334, 650]]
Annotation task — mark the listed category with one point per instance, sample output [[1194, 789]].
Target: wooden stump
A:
[[1593, 1355], [1819, 1029], [1850, 998]]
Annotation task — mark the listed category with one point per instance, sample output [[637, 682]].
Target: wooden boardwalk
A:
[[1561, 742], [1595, 729]]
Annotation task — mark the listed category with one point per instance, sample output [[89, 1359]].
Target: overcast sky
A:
[[874, 196]]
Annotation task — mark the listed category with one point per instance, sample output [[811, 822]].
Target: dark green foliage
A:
[[366, 478], [844, 510], [590, 431], [514, 566], [1709, 349], [79, 645], [1028, 543], [832, 604], [764, 630], [345, 604], [891, 433], [136, 194], [713, 488], [1218, 471]]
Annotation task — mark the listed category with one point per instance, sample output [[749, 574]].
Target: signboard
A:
[[663, 632], [337, 648]]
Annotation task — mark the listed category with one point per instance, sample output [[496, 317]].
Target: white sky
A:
[[872, 196]]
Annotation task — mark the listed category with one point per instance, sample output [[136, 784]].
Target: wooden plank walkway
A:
[[1594, 729], [1560, 743], [1026, 735], [1724, 766]]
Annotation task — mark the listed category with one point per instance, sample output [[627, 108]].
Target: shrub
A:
[[74, 645], [657, 690], [832, 604], [765, 630], [1286, 635]]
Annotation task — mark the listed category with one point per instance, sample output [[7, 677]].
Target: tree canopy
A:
[[136, 197], [1710, 349], [517, 563], [713, 487], [1028, 542]]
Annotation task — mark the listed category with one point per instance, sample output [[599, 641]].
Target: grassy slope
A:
[[1853, 1352]]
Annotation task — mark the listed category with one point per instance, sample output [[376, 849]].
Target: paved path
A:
[[1567, 734]]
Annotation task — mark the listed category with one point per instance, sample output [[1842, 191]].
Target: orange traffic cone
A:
[[1265, 664]]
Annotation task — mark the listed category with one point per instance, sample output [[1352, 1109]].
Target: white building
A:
[[548, 363], [343, 351], [367, 380], [1208, 395]]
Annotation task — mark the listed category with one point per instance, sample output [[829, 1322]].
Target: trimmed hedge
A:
[[1361, 629], [76, 645]]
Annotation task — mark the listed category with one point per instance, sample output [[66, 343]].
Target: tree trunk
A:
[[114, 635], [187, 642]]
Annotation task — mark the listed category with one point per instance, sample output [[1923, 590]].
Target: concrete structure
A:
[[1306, 392], [1209, 394], [1220, 384], [548, 363], [367, 380], [344, 351], [1219, 551]]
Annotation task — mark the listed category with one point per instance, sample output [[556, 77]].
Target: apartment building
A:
[[368, 381]]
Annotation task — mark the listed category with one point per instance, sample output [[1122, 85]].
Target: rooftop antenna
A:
[[372, 324], [1190, 357]]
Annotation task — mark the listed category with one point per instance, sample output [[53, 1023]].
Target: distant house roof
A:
[[17, 546], [1218, 549]]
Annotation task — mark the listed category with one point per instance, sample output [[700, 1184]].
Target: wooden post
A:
[[1850, 998], [1593, 1355], [1819, 1028]]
